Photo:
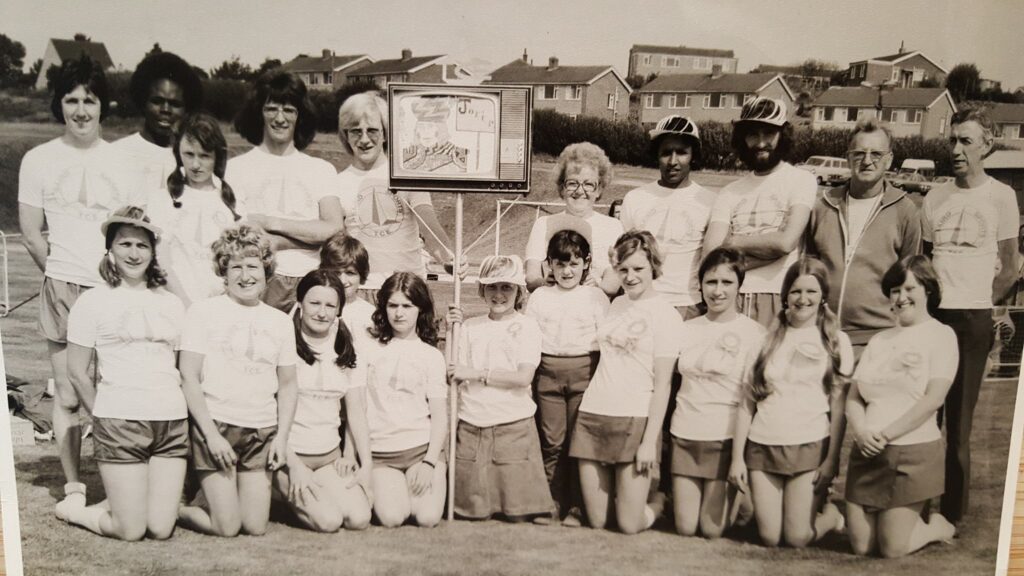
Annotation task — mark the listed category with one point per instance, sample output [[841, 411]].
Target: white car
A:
[[827, 169]]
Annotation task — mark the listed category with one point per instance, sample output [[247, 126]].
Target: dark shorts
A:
[[499, 470], [899, 476], [280, 292], [251, 445], [56, 297], [789, 460], [607, 439], [402, 460], [707, 459], [135, 441]]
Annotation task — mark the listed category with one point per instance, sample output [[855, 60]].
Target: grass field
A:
[[51, 547]]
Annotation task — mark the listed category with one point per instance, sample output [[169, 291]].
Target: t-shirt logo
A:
[[672, 228], [721, 358], [288, 197], [86, 195], [254, 348], [379, 211], [139, 325], [759, 214], [966, 227], [624, 336]]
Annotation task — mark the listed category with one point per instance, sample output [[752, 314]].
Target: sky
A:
[[485, 34]]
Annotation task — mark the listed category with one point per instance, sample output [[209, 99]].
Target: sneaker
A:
[[574, 519], [546, 520], [74, 498]]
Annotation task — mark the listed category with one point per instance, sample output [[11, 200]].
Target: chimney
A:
[[406, 54], [327, 53], [552, 63], [901, 47], [525, 57], [716, 70]]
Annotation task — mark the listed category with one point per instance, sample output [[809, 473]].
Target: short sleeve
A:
[[535, 248], [944, 355], [529, 343], [1009, 225], [668, 327], [867, 360], [845, 355], [626, 212], [82, 323], [30, 182], [287, 356], [193, 332], [721, 210], [437, 385], [599, 304], [417, 199], [463, 357], [806, 190], [177, 310]]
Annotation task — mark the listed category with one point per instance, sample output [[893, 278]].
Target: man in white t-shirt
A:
[[165, 89], [763, 214], [969, 228], [860, 230], [281, 189], [675, 209]]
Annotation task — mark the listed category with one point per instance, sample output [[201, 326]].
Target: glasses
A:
[[873, 156], [272, 110], [574, 185], [358, 133]]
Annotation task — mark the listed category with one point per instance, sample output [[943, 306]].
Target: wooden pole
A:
[[453, 358]]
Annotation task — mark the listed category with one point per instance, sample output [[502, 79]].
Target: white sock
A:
[[88, 517], [649, 517]]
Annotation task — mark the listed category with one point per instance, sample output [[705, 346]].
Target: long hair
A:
[[170, 66], [204, 130], [343, 346], [361, 106], [415, 289], [284, 88], [828, 326], [921, 268], [729, 257], [342, 251], [155, 275], [81, 72], [739, 143]]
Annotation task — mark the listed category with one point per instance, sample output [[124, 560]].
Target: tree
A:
[[964, 82], [79, 37], [232, 69], [12, 57], [156, 49], [29, 78], [267, 65]]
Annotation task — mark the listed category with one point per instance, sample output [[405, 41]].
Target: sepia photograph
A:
[[457, 287]]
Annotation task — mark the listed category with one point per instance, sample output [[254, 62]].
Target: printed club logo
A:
[[380, 212]]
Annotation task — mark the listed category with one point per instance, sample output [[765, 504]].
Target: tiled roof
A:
[[864, 96], [72, 50], [747, 83], [682, 51], [395, 66], [304, 63], [519, 72], [1004, 112]]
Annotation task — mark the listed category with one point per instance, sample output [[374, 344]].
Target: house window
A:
[[573, 92], [914, 116], [851, 114], [652, 101], [327, 77], [918, 74], [646, 59], [673, 101], [547, 92], [865, 113], [611, 102], [701, 63], [690, 100], [895, 76], [715, 100], [1020, 132]]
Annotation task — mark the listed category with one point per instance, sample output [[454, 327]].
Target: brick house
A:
[[906, 69], [327, 71], [1009, 118], [432, 69], [60, 51], [574, 90], [921, 112], [645, 59], [798, 78], [708, 96]]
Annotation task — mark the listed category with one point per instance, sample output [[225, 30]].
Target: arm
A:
[[933, 399], [190, 364], [358, 432], [537, 274], [771, 246], [911, 243], [31, 221], [738, 467], [609, 283], [422, 474], [868, 441], [522, 377], [646, 454], [79, 374], [287, 398], [714, 237], [837, 430], [311, 232], [1004, 281]]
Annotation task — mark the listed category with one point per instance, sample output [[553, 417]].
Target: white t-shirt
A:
[[321, 388], [678, 218], [77, 189], [759, 205], [289, 186], [135, 334], [242, 347], [154, 164], [358, 317], [504, 344], [383, 221], [858, 211], [715, 360], [796, 412], [894, 371], [633, 335], [568, 319], [604, 231], [401, 377], [965, 227], [187, 234]]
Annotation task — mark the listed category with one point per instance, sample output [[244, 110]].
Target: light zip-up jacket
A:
[[892, 232]]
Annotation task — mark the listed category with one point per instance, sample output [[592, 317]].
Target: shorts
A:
[[762, 307], [251, 445], [402, 460], [899, 476], [56, 297], [499, 470], [317, 461], [280, 292], [136, 441], [607, 439], [789, 460], [707, 459]]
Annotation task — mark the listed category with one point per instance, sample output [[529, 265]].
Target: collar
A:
[[836, 197]]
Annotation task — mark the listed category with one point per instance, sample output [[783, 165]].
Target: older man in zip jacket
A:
[[860, 230]]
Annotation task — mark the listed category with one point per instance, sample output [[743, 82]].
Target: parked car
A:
[[915, 175], [827, 169]]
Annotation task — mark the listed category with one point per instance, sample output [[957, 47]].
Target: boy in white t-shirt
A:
[[498, 464]]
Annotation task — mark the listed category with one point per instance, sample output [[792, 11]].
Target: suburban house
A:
[[1007, 166], [1009, 118], [60, 51], [573, 90], [645, 60], [433, 69], [717, 97], [986, 84], [327, 71], [905, 69], [798, 78], [921, 112]]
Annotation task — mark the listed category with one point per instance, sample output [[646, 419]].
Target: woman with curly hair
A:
[[131, 324], [237, 364]]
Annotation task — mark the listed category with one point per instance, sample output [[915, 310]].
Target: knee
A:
[[890, 549], [326, 521], [860, 546], [160, 532], [358, 520], [685, 530], [428, 518], [226, 528], [770, 539], [631, 525], [711, 531], [67, 401], [391, 517], [799, 538], [133, 534]]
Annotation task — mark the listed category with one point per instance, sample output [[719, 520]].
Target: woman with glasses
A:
[[584, 171], [388, 224]]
